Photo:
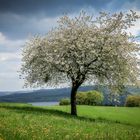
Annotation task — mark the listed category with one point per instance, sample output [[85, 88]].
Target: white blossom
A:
[[84, 48]]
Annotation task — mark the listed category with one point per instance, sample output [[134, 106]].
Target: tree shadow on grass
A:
[[39, 110]]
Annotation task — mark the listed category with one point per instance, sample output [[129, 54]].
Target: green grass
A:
[[24, 122], [124, 115]]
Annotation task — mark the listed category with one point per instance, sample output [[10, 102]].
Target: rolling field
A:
[[25, 122], [124, 115]]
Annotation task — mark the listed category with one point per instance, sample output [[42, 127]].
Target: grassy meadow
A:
[[25, 122]]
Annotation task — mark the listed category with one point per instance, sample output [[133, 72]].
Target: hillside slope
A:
[[24, 122]]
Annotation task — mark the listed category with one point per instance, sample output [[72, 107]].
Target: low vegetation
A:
[[89, 98], [25, 122], [133, 101], [64, 101], [85, 98]]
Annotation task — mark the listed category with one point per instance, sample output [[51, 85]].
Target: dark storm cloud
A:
[[49, 7], [55, 7], [19, 26], [18, 18]]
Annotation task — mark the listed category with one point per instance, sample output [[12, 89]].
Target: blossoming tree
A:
[[83, 48]]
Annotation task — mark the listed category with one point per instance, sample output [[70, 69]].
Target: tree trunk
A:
[[73, 100]]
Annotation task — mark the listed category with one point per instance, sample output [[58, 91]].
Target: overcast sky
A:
[[19, 19]]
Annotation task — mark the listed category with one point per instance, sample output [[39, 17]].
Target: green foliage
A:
[[132, 101], [81, 98], [24, 122], [64, 101], [89, 98], [85, 98]]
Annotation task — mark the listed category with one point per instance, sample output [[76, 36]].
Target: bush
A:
[[132, 101], [89, 98], [65, 101], [85, 98], [80, 98]]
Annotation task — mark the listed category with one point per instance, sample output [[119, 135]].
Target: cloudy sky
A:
[[20, 19]]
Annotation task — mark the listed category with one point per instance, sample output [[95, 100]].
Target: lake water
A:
[[44, 103]]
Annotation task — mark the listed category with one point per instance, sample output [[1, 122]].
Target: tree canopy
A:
[[84, 48]]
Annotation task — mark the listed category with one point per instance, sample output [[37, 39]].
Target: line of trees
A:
[[96, 98]]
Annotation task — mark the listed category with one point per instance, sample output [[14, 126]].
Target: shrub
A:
[[64, 101], [89, 98], [85, 98], [132, 101], [81, 98]]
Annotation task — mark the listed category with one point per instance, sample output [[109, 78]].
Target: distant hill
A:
[[3, 93], [45, 95], [40, 95]]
